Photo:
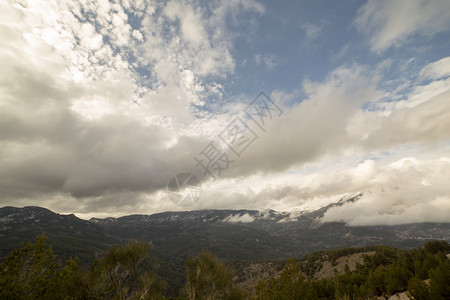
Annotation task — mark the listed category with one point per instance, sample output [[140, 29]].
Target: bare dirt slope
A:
[[328, 270]]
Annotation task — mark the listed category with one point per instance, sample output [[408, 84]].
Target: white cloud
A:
[[314, 127], [138, 35], [312, 31], [98, 109], [419, 116], [392, 23], [437, 70], [72, 93], [427, 122], [89, 38], [237, 218], [191, 21], [406, 191], [269, 61]]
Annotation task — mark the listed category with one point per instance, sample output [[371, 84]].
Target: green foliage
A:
[[209, 278], [29, 272], [291, 284], [121, 264], [440, 280], [33, 272], [418, 289], [387, 272], [436, 246], [150, 286]]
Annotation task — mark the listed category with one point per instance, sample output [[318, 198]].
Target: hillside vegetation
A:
[[33, 272]]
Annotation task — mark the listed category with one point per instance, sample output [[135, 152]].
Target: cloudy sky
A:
[[103, 102]]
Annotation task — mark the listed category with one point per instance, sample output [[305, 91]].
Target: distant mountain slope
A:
[[245, 235], [267, 236], [68, 235], [232, 234]]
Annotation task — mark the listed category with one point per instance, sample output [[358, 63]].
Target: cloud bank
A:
[[406, 191], [393, 23], [102, 102]]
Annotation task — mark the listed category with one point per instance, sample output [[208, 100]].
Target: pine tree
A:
[[418, 289], [29, 272], [121, 265], [209, 278]]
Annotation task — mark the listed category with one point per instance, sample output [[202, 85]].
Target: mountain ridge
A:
[[233, 235], [287, 236]]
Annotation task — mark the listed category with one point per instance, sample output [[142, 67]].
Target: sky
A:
[[283, 105]]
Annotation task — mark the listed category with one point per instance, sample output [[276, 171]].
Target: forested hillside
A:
[[256, 249], [33, 272]]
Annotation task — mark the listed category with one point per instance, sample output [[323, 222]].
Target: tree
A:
[[434, 247], [209, 278], [418, 289], [79, 283], [290, 285], [346, 268], [439, 281], [121, 264], [29, 272], [149, 286], [375, 281], [32, 272], [397, 278]]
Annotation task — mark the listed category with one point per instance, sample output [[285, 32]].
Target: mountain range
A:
[[244, 235]]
